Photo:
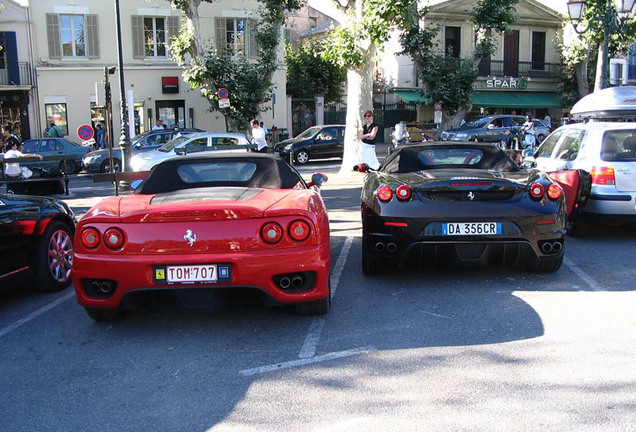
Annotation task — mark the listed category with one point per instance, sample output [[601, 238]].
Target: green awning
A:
[[507, 99], [413, 97]]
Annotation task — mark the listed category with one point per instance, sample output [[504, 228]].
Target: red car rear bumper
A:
[[254, 269]]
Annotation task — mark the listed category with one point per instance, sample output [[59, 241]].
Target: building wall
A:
[[74, 79], [17, 101]]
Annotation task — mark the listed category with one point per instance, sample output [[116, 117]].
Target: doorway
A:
[[172, 112]]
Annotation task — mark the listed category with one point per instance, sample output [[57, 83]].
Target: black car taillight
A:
[[384, 193], [403, 193], [537, 190]]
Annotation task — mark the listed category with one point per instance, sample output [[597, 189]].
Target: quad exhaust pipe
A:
[[389, 248], [550, 247], [291, 281]]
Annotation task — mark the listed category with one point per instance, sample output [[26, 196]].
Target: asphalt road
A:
[[486, 349]]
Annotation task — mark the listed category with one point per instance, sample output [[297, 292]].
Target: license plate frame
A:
[[471, 229]]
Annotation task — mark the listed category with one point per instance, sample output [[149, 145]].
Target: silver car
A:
[[607, 150], [188, 144]]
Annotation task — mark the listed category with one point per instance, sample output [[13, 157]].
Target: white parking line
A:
[[8, 329], [315, 330], [580, 273], [303, 362]]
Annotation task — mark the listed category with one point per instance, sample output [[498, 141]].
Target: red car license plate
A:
[[191, 273]]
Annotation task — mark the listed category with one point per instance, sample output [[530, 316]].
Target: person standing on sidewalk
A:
[[55, 131], [367, 147]]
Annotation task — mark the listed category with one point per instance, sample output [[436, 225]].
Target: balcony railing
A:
[[520, 69], [12, 73]]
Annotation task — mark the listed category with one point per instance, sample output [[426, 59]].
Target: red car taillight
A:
[[272, 232], [90, 238], [603, 176], [299, 230], [554, 191], [403, 193], [537, 190], [114, 238], [384, 193]]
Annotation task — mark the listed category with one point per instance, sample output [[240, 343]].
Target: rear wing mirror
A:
[[317, 179], [363, 168]]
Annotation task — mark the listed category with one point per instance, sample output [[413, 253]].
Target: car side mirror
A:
[[363, 168], [135, 183], [317, 179]]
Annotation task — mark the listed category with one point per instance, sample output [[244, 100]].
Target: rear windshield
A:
[[619, 145], [413, 159]]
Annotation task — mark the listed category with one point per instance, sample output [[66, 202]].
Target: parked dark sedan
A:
[[452, 203], [61, 147], [317, 142], [98, 161], [493, 128], [36, 242]]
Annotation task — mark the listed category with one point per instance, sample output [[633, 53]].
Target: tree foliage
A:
[[249, 81], [309, 74], [448, 79]]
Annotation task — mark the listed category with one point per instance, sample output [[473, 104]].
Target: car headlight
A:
[[461, 135], [288, 147], [89, 158]]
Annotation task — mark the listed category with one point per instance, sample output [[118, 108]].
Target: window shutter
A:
[[174, 25], [138, 36], [92, 36], [252, 47], [221, 44], [53, 35]]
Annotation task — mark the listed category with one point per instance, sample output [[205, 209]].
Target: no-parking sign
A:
[[85, 132], [223, 93]]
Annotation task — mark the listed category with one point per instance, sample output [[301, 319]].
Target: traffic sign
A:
[[438, 106], [85, 132], [223, 93], [224, 103]]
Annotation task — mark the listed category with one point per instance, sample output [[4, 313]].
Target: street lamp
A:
[[124, 141], [612, 19]]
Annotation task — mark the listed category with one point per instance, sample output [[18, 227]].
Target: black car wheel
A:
[[104, 314], [370, 264], [54, 258], [302, 157], [578, 227], [549, 265], [318, 307], [68, 167], [106, 165]]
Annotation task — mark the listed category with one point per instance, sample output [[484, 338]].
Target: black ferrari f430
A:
[[437, 204]]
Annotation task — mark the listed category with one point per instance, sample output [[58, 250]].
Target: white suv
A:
[[607, 150]]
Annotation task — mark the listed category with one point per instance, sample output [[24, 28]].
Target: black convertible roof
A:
[[272, 172]]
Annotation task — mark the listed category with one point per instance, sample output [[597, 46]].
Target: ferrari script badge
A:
[[471, 196], [190, 237]]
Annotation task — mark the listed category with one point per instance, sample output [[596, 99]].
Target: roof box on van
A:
[[610, 103]]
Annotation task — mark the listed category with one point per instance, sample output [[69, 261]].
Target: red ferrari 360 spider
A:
[[199, 223]]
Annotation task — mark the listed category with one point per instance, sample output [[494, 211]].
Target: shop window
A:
[[56, 113], [538, 50]]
